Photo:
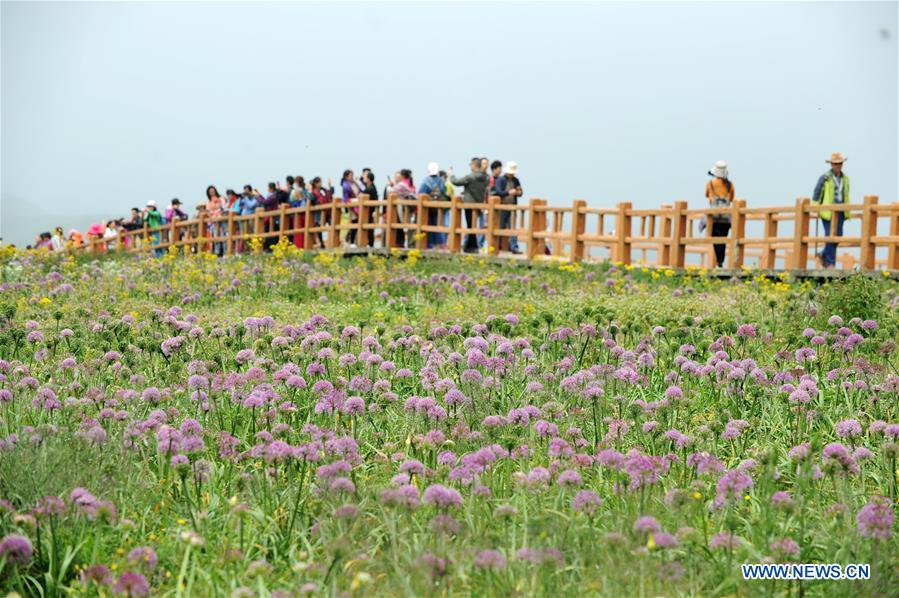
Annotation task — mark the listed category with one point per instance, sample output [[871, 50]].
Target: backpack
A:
[[720, 202], [436, 193]]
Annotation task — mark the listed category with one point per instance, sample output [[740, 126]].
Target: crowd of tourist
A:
[[485, 179]]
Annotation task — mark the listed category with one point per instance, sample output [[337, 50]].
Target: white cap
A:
[[151, 204], [433, 168], [511, 168]]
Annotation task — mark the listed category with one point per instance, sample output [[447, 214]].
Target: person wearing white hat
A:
[[720, 193], [152, 218], [433, 186], [508, 189], [832, 188]]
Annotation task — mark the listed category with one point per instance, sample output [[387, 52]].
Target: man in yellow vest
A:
[[832, 188]]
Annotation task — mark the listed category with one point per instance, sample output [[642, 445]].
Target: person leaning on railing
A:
[[832, 188], [720, 193]]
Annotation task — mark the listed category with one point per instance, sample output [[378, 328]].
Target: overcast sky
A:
[[108, 105]]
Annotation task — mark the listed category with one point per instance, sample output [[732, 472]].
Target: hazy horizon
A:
[[108, 105]]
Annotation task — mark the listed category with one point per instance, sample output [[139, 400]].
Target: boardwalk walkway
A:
[[769, 238]]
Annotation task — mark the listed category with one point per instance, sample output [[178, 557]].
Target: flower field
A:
[[398, 426]]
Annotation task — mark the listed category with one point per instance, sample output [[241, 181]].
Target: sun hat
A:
[[176, 202], [511, 168], [836, 158], [719, 169], [151, 204], [433, 168]]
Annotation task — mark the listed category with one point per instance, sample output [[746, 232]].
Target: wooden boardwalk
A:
[[766, 238]]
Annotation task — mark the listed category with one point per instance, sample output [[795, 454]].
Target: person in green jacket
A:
[[153, 218], [832, 188], [475, 184]]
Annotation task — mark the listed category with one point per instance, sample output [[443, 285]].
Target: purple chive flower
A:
[[875, 519], [782, 500], [664, 540], [732, 485], [143, 556], [785, 547], [647, 525], [244, 356], [442, 497], [98, 574], [131, 584], [16, 549], [724, 541], [586, 501], [848, 428], [490, 559]]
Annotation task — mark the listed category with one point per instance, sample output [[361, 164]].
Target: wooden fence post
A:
[[800, 232], [333, 232], [492, 224], [282, 221], [421, 219], [363, 218], [455, 239], [867, 249], [202, 233], [893, 250], [737, 234], [308, 240], [623, 231], [578, 226], [769, 252], [390, 235], [257, 223], [678, 233], [229, 234], [664, 251], [532, 227]]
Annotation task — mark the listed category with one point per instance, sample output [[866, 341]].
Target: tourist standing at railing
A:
[[434, 187], [508, 188], [131, 224], [450, 193], [720, 193], [404, 187], [269, 203], [152, 218], [58, 239], [496, 169], [174, 211], [475, 184], [369, 189], [76, 239], [214, 204], [351, 190], [246, 205], [322, 197], [832, 188], [299, 197]]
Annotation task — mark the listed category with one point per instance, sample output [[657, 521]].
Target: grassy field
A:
[[287, 425]]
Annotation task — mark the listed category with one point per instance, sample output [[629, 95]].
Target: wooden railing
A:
[[768, 237]]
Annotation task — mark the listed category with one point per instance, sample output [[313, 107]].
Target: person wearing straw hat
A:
[[832, 188], [720, 193], [508, 188]]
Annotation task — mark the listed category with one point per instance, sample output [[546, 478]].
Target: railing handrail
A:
[[668, 229]]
